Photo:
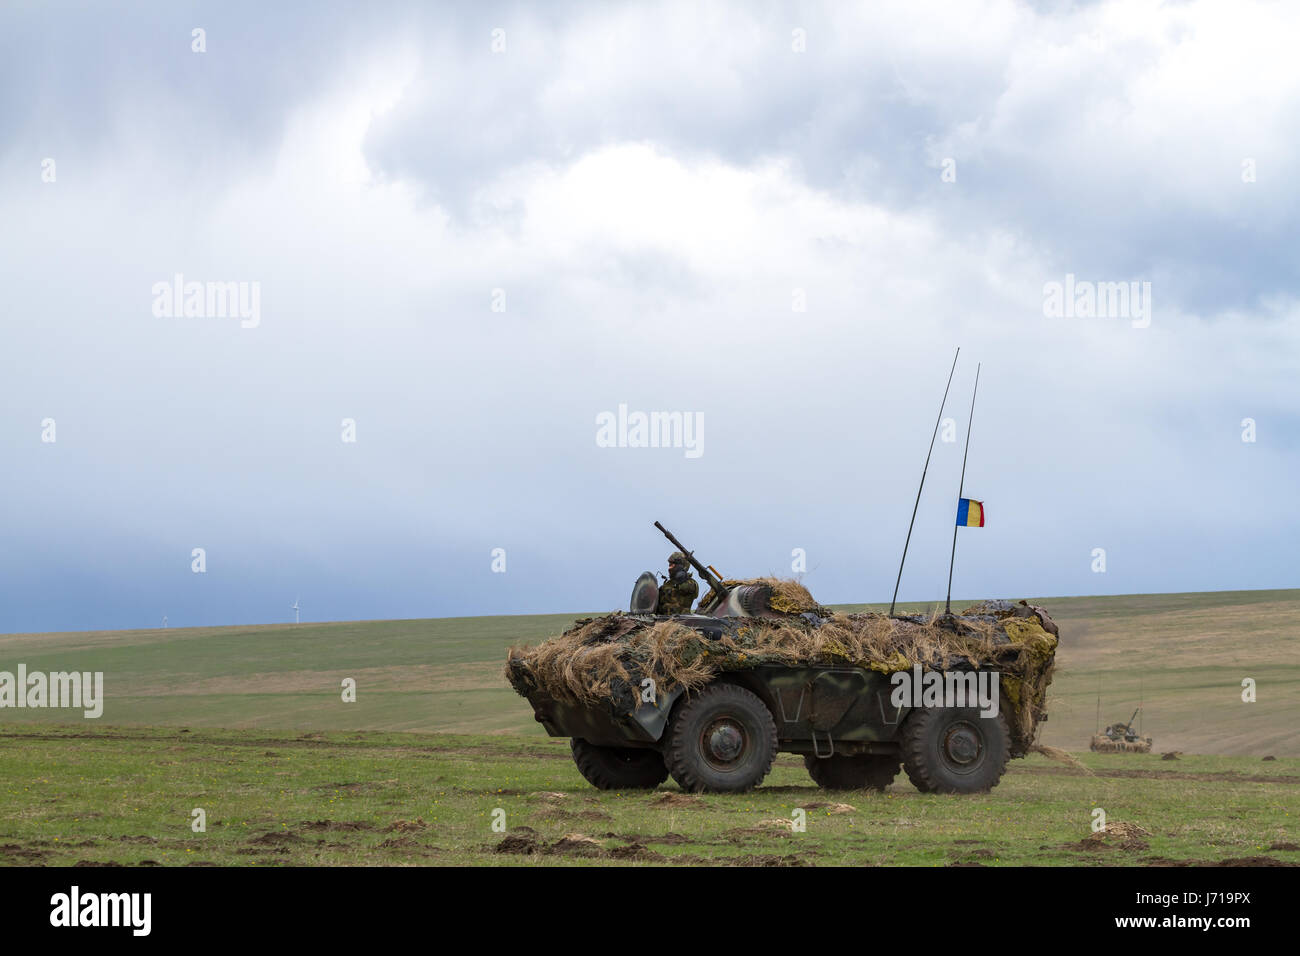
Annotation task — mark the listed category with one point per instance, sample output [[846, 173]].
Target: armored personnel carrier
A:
[[759, 668], [1121, 738]]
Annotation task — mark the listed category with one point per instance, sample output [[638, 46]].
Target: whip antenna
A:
[[961, 489], [894, 599]]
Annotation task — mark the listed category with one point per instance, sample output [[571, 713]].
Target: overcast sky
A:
[[472, 230]]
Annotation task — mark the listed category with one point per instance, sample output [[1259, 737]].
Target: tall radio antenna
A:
[[908, 541], [961, 489]]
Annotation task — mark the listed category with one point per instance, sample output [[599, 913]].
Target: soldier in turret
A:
[[679, 590]]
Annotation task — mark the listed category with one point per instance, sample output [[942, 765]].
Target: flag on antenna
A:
[[970, 513]]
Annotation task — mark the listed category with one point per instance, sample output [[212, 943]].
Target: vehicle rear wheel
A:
[[619, 768], [954, 749], [862, 772], [722, 740]]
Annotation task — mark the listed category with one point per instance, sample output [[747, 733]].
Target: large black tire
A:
[[954, 749], [619, 768], [864, 772], [721, 740]]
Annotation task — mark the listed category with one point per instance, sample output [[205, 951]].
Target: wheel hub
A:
[[724, 741], [962, 745]]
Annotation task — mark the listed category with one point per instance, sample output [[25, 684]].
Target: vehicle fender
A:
[[652, 716]]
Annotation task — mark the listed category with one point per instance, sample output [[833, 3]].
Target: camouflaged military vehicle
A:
[[1121, 738], [710, 697]]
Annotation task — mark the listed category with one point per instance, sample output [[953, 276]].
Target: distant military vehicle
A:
[[710, 697], [1121, 738]]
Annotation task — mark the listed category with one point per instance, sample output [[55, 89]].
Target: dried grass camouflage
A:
[[602, 661]]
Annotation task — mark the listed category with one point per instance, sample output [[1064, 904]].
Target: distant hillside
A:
[[1183, 655]]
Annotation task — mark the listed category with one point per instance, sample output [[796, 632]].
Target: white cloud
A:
[[653, 262]]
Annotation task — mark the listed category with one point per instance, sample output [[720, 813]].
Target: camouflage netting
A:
[[601, 661], [788, 597]]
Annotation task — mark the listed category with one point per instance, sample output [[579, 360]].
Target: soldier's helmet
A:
[[676, 559]]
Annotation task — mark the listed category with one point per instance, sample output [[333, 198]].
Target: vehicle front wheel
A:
[[863, 772], [954, 749], [722, 740], [619, 768]]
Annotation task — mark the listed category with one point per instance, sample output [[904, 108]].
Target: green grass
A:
[[249, 723], [126, 797]]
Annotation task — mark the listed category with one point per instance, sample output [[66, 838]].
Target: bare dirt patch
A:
[[773, 827], [525, 840], [1119, 835], [578, 814], [665, 839], [276, 838], [354, 786], [677, 801], [637, 852], [576, 844], [792, 859], [521, 840], [832, 808], [20, 852], [316, 826]]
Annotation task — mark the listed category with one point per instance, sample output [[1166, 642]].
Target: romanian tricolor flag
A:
[[970, 513]]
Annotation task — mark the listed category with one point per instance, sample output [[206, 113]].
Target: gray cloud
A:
[[648, 188]]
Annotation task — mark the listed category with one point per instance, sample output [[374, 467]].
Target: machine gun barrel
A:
[[707, 574], [1133, 718]]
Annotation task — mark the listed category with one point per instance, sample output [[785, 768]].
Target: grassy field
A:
[[1182, 655], [75, 798], [249, 724]]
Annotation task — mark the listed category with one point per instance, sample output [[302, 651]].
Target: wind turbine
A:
[[164, 620], [297, 618]]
